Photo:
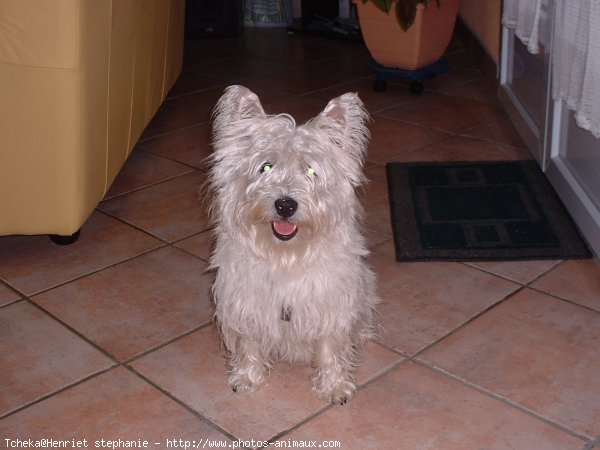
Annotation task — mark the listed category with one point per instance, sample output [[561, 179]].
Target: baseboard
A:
[[484, 61]]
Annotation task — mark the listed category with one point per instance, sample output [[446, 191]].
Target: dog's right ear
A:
[[236, 103]]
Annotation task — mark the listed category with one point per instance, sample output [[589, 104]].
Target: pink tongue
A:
[[283, 227]]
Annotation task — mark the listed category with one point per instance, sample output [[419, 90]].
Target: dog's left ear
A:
[[344, 122], [237, 102], [344, 119], [237, 107]]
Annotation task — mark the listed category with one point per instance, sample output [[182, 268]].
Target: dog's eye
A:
[[311, 172], [266, 167]]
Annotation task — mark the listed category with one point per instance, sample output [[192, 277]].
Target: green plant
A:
[[406, 10]]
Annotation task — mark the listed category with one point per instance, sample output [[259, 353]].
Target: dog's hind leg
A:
[[334, 363]]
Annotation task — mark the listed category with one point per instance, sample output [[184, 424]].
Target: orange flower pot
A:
[[422, 44]]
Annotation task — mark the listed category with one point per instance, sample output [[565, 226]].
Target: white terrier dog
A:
[[291, 282]]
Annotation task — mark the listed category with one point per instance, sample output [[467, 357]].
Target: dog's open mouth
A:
[[284, 230]]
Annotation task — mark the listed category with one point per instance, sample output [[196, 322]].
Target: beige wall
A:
[[483, 19]]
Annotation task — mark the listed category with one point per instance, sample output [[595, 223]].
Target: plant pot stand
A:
[[416, 76]]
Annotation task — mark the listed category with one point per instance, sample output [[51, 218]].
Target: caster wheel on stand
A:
[[379, 85], [415, 76], [416, 87], [64, 240]]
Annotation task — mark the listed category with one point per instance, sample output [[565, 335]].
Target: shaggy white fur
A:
[[291, 282]]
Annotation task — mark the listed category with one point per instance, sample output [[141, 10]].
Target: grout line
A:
[[164, 242], [546, 272], [113, 264], [473, 265], [173, 159], [299, 424], [109, 355], [469, 321], [219, 84], [180, 402], [59, 391], [190, 253], [18, 300], [395, 350], [20, 295], [500, 398], [327, 407], [529, 284], [566, 300], [170, 341], [138, 228], [451, 133], [191, 170], [141, 140]]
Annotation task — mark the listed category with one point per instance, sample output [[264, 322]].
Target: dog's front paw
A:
[[245, 381], [337, 393]]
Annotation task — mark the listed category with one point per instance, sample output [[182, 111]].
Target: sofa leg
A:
[[64, 240]]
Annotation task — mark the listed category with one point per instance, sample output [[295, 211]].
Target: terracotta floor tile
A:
[[236, 70], [172, 116], [440, 112], [519, 271], [395, 95], [144, 169], [422, 302], [304, 79], [190, 146], [171, 210], [200, 244], [390, 138], [463, 148], [453, 80], [202, 103], [375, 201], [420, 409], [537, 351], [353, 60], [473, 87], [115, 405], [131, 307], [33, 263], [575, 280], [205, 102], [301, 109], [7, 295], [374, 238], [193, 369], [289, 48], [40, 356], [197, 53], [501, 131], [189, 82], [461, 57]]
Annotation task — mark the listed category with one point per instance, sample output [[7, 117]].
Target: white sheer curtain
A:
[[576, 60], [523, 17], [575, 52]]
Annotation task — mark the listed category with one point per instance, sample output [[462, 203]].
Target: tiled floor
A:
[[111, 338]]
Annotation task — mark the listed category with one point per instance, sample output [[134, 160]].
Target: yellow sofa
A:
[[79, 82]]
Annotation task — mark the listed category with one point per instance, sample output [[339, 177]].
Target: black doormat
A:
[[479, 211]]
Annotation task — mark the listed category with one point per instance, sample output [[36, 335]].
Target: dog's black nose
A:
[[286, 207]]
